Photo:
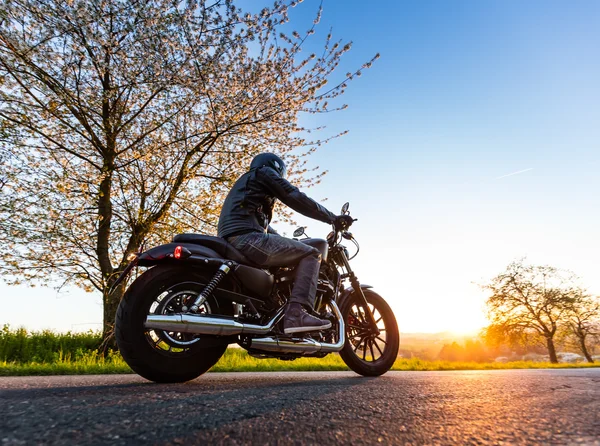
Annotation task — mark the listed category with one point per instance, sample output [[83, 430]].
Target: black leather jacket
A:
[[249, 204]]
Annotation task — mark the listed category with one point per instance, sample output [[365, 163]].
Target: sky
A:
[[473, 141]]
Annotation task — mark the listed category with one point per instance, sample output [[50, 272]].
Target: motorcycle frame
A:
[[337, 259]]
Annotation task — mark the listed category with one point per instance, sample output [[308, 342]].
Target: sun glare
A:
[[435, 315]]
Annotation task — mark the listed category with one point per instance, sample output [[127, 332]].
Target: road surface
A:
[[477, 407]]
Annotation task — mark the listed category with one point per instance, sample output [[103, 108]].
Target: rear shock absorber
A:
[[211, 286]]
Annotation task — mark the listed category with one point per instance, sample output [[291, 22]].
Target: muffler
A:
[[305, 346], [220, 326], [207, 325]]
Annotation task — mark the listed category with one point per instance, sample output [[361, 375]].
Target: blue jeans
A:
[[267, 250]]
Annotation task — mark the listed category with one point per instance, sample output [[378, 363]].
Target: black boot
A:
[[297, 320]]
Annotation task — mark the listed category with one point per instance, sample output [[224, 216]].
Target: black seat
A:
[[227, 251], [217, 244]]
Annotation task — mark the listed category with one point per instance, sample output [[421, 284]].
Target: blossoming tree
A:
[[125, 122]]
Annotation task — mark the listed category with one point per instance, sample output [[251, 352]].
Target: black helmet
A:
[[270, 160]]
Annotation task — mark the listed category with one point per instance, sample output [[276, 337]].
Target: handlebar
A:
[[343, 227]]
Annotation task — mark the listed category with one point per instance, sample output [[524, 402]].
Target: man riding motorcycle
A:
[[244, 223]]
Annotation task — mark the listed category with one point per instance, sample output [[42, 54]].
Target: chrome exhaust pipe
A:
[[274, 345], [302, 346], [207, 325]]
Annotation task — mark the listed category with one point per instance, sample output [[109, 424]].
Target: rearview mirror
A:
[[345, 208], [299, 232]]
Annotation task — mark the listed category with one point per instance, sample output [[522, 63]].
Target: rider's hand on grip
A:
[[343, 222]]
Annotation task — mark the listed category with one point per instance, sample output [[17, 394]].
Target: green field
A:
[[48, 353], [237, 360]]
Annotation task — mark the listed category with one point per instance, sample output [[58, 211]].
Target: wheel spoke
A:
[[169, 341], [359, 334], [365, 351], [361, 316], [377, 347], [377, 337], [359, 344], [358, 327]]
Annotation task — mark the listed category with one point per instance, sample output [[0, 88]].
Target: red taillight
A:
[[177, 252]]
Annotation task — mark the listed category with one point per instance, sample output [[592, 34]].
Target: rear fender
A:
[[166, 252], [347, 292], [192, 254], [257, 281]]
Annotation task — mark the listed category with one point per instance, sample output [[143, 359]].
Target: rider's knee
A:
[[316, 254]]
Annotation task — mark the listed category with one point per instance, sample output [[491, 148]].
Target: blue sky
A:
[[465, 92]]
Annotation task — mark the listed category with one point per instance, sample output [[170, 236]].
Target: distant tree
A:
[[127, 121], [504, 341], [583, 321], [452, 352], [530, 301]]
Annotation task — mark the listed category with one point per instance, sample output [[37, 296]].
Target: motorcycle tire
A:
[[388, 347], [132, 337]]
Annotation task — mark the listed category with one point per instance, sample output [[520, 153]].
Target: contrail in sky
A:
[[515, 173]]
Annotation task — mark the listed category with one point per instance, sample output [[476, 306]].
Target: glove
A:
[[343, 222]]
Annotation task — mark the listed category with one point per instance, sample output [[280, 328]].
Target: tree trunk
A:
[[584, 350], [110, 304], [551, 350]]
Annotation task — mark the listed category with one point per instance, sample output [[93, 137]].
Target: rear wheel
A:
[[366, 352], [159, 355]]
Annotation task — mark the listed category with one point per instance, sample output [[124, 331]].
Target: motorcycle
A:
[[200, 295]]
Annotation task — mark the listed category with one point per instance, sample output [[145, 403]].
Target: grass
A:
[[22, 346], [90, 363], [47, 353], [422, 365], [237, 360]]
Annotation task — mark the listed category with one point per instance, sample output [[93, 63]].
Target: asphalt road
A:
[[524, 407]]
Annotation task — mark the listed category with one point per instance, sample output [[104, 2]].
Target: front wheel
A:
[[365, 352]]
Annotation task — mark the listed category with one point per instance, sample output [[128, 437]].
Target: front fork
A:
[[359, 293]]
